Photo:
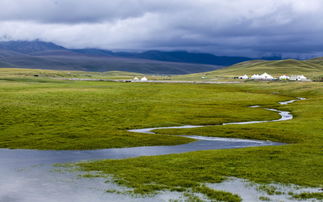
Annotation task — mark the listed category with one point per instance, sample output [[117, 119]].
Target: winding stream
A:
[[25, 175]]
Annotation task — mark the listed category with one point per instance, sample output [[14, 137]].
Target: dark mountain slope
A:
[[28, 47]]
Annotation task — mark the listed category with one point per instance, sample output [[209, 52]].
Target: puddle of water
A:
[[40, 184], [252, 192]]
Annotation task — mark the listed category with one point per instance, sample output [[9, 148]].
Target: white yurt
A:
[[284, 77], [301, 78], [293, 78], [144, 79], [266, 76], [255, 76]]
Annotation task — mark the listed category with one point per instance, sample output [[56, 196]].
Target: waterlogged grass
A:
[[315, 195], [217, 195], [300, 162]]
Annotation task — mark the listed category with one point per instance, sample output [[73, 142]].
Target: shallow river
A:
[[26, 175]]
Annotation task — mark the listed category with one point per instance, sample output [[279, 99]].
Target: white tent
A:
[[301, 78], [284, 77], [144, 79], [255, 76], [298, 78], [244, 77], [266, 76]]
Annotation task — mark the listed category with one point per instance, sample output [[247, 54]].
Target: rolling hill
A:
[[290, 66], [312, 68]]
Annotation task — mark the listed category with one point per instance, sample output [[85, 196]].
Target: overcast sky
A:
[[224, 27]]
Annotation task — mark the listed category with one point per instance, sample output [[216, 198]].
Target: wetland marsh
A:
[[46, 114]]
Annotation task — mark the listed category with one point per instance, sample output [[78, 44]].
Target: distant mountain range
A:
[[47, 55]]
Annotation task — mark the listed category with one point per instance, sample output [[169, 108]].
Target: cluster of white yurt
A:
[[298, 78], [294, 78], [266, 76], [263, 76], [142, 79]]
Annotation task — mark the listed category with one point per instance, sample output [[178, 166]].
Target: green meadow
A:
[[299, 162], [44, 113]]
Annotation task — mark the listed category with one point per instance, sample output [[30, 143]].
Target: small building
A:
[[135, 79], [284, 77], [144, 79], [266, 76], [298, 78], [302, 78], [244, 77], [255, 76]]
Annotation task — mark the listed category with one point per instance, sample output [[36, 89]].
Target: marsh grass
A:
[[312, 195], [300, 162]]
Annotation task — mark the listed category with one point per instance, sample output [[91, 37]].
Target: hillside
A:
[[290, 66], [312, 68]]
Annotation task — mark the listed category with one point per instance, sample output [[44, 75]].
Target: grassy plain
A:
[[41, 113]]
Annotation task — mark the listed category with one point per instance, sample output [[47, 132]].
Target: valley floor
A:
[[47, 114]]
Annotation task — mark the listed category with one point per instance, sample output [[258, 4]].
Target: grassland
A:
[[41, 113]]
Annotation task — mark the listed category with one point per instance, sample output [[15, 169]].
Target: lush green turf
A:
[[298, 163], [40, 113]]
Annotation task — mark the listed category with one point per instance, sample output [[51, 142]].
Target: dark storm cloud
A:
[[235, 27]]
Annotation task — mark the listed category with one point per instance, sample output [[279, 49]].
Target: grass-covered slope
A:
[[276, 67], [311, 68]]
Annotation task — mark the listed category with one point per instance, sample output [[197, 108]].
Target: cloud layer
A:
[[235, 27]]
